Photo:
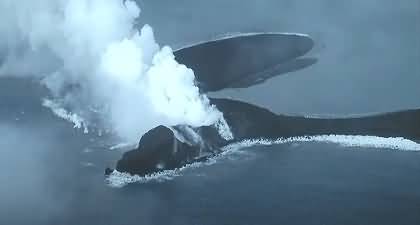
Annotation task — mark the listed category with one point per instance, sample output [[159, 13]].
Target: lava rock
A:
[[158, 150]]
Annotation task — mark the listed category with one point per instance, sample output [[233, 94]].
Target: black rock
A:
[[158, 150], [239, 62], [108, 171]]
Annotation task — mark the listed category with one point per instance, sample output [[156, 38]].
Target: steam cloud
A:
[[101, 71]]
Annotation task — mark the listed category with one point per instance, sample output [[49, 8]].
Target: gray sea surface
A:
[[368, 53]]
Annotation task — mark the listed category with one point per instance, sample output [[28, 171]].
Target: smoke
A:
[[102, 73]]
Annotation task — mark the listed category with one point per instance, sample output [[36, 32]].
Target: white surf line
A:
[[118, 179], [123, 145], [392, 143]]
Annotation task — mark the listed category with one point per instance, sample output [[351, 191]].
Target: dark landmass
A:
[[239, 61], [242, 61], [162, 149]]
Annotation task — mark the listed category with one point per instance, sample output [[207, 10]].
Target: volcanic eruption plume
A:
[[101, 71]]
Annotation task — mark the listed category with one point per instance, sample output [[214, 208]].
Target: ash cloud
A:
[[99, 67]]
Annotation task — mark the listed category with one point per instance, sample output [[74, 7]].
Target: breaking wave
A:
[[118, 179]]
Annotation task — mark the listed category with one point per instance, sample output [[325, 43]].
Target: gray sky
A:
[[368, 50]]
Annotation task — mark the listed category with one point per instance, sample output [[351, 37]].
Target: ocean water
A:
[[368, 53], [53, 174]]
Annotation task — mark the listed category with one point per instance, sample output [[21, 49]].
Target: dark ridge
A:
[[159, 149], [250, 121], [220, 63]]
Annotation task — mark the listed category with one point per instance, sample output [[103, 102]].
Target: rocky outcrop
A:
[[159, 149], [168, 148]]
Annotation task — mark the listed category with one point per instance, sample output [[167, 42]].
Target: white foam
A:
[[224, 129], [394, 143], [78, 122], [119, 179], [124, 145], [97, 64]]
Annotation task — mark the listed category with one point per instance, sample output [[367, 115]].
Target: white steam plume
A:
[[99, 68]]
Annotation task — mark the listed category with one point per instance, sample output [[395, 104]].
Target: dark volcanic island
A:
[[239, 62]]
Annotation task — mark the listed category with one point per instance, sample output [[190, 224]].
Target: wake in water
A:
[[120, 179]]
